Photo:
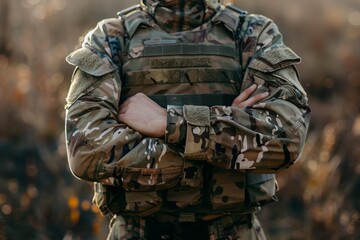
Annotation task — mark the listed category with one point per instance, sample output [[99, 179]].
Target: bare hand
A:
[[143, 115], [244, 99], [147, 117]]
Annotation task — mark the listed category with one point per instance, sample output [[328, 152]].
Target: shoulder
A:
[[111, 27], [98, 39], [99, 53], [259, 32], [257, 18], [251, 25], [96, 55], [255, 23]]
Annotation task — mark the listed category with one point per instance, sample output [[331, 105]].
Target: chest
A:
[[202, 61]]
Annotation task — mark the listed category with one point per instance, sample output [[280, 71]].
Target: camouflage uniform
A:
[[216, 163]]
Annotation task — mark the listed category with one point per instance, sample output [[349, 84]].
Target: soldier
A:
[[181, 112]]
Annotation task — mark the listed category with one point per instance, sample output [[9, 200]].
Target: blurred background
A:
[[40, 199]]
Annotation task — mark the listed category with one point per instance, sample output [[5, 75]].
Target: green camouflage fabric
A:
[[205, 160]]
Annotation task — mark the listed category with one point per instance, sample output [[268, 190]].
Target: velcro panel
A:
[[90, 62], [274, 58]]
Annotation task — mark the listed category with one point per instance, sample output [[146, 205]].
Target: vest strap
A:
[[193, 99], [188, 49]]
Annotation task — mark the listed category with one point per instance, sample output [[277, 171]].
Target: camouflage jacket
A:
[[134, 169]]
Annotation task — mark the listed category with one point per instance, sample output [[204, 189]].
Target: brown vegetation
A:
[[40, 199]]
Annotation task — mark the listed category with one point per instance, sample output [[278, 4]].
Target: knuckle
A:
[[139, 95]]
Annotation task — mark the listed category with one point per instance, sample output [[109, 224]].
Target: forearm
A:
[[94, 136], [255, 138], [266, 137], [101, 149]]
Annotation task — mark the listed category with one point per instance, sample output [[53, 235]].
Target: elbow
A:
[[293, 149], [294, 140], [76, 169], [83, 165], [296, 154], [83, 158]]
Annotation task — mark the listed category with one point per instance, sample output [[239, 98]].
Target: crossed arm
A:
[[145, 116]]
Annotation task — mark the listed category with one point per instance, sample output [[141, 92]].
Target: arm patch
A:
[[90, 69], [274, 58], [91, 62]]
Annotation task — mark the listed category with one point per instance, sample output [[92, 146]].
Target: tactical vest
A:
[[198, 67]]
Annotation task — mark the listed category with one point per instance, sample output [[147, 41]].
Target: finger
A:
[[253, 100], [123, 107], [124, 118], [245, 94], [143, 100], [126, 102], [120, 117], [131, 101], [148, 101]]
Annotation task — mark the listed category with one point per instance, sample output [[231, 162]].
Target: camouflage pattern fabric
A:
[[221, 143], [128, 228], [236, 227], [178, 15], [226, 227]]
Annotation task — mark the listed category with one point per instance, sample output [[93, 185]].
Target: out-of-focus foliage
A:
[[319, 197], [40, 199]]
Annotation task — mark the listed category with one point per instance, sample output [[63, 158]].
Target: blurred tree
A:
[[4, 20]]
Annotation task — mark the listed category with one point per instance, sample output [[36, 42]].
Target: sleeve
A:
[[264, 138], [99, 148]]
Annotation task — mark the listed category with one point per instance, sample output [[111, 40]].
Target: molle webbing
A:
[[181, 62], [187, 49], [193, 99], [177, 76]]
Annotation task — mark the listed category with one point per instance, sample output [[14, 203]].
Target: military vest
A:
[[198, 67]]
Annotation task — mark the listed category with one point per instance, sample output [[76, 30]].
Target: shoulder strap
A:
[[232, 17], [131, 18]]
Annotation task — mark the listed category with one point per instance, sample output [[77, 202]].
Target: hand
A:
[[148, 118], [244, 99], [143, 115]]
